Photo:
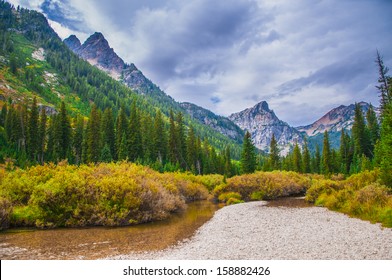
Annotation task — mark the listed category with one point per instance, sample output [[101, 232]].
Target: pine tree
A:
[[385, 147], [317, 161], [306, 158], [345, 152], [326, 155], [135, 149], [63, 132], [191, 150], [373, 128], [228, 169], [172, 149], [147, 134], [94, 135], [42, 136], [297, 159], [107, 131], [78, 139], [121, 131], [274, 158], [248, 156], [360, 134], [159, 139], [384, 86], [32, 132], [181, 140]]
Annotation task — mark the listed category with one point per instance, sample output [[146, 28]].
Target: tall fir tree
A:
[[159, 139], [78, 139], [274, 159], [121, 131], [297, 159], [373, 129], [360, 133], [63, 132], [306, 158], [248, 156], [384, 86], [384, 148], [42, 136], [94, 135], [107, 132], [191, 150], [33, 132], [326, 165], [135, 149]]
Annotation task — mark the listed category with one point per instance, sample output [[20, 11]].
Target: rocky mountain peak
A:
[[96, 51], [262, 123], [73, 42], [339, 118], [262, 106]]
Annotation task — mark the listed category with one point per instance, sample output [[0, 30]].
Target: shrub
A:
[[359, 196], [105, 194], [270, 184], [5, 212]]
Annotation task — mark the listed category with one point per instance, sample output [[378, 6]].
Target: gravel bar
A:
[[253, 231]]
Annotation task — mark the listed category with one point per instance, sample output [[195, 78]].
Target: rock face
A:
[[335, 120], [73, 43], [262, 123], [220, 124], [97, 51]]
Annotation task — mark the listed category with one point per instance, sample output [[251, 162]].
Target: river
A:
[[100, 242]]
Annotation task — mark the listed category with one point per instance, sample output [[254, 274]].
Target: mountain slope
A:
[[335, 120], [218, 123], [96, 51], [262, 123], [44, 67]]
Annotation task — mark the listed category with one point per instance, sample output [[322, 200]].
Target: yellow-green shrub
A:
[[104, 194], [359, 195], [270, 184]]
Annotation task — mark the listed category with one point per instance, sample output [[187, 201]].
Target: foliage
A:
[[359, 196], [265, 185], [104, 194]]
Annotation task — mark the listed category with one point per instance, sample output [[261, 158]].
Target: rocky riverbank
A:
[[254, 231]]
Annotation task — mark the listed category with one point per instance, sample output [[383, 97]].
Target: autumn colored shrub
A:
[[105, 194], [359, 196], [265, 185], [5, 212]]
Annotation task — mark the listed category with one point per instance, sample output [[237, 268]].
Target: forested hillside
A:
[[56, 106]]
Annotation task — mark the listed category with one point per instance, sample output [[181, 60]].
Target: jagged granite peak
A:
[[262, 123], [339, 118], [220, 124], [96, 51], [73, 43]]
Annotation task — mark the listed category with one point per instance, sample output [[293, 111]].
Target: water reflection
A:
[[99, 242]]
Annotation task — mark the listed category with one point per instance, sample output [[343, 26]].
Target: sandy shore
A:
[[254, 231]]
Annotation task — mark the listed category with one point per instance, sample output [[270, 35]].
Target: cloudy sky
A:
[[303, 57]]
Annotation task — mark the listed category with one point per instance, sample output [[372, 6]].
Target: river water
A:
[[100, 242]]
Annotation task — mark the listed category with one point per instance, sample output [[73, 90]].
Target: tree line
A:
[[30, 136]]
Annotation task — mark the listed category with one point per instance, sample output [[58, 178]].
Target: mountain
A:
[[221, 124], [97, 52], [335, 120], [262, 123]]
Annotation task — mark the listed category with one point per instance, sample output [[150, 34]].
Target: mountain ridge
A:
[[262, 123]]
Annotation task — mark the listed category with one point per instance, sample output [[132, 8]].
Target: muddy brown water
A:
[[100, 242], [290, 202]]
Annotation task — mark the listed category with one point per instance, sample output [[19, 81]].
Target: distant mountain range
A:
[[259, 120]]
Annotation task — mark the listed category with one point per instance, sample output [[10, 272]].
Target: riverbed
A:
[[100, 242], [278, 231]]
